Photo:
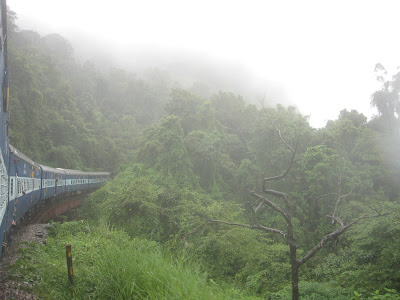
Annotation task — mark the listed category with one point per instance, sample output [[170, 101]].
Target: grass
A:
[[109, 264]]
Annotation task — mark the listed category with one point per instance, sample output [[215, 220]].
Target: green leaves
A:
[[108, 264]]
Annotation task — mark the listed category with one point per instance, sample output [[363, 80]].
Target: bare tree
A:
[[286, 213]]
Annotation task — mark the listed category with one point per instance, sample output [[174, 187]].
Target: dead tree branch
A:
[[339, 197], [260, 227], [333, 235], [336, 219], [271, 204], [292, 151], [184, 238], [284, 174]]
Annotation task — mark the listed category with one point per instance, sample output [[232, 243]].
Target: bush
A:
[[389, 294], [108, 264], [311, 290]]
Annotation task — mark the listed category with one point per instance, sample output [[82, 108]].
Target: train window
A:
[[12, 187]]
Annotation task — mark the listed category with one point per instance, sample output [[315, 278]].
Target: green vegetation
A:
[[108, 264], [183, 160]]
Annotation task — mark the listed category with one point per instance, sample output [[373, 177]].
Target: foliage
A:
[[387, 100], [254, 262], [388, 294], [367, 257], [109, 265], [184, 159], [72, 115], [313, 291]]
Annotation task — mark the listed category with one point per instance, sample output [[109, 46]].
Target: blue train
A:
[[24, 183], [30, 183]]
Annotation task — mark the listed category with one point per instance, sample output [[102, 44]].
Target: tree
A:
[[387, 100], [165, 151], [283, 205]]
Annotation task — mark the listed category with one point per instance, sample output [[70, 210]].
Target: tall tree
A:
[[283, 204], [387, 100]]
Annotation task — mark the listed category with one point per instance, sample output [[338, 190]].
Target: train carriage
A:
[[53, 181], [97, 179], [4, 150], [76, 180], [24, 185]]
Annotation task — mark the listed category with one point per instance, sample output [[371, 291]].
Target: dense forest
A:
[[204, 177]]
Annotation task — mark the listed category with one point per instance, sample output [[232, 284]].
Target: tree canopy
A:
[[182, 159]]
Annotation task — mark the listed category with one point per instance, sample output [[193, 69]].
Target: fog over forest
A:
[[318, 57], [194, 71], [210, 196]]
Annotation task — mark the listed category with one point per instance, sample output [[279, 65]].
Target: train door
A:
[[13, 188], [3, 187]]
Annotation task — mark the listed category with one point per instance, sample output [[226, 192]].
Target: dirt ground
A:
[[10, 289]]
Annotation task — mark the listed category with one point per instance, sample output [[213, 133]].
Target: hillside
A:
[[191, 169]]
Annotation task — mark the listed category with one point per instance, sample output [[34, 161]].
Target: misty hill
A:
[[186, 154], [102, 98], [189, 70]]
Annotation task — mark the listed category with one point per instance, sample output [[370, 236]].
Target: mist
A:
[[318, 57], [196, 72]]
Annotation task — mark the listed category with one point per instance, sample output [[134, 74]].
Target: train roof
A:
[[99, 173], [52, 170], [22, 156], [74, 172], [83, 173]]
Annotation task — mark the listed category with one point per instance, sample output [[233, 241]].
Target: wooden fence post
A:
[[69, 264]]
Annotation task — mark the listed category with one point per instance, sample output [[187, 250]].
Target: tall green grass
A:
[[110, 265]]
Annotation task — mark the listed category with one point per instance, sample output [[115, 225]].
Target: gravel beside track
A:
[[9, 288]]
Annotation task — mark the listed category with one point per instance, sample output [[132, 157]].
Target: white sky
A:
[[322, 52]]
